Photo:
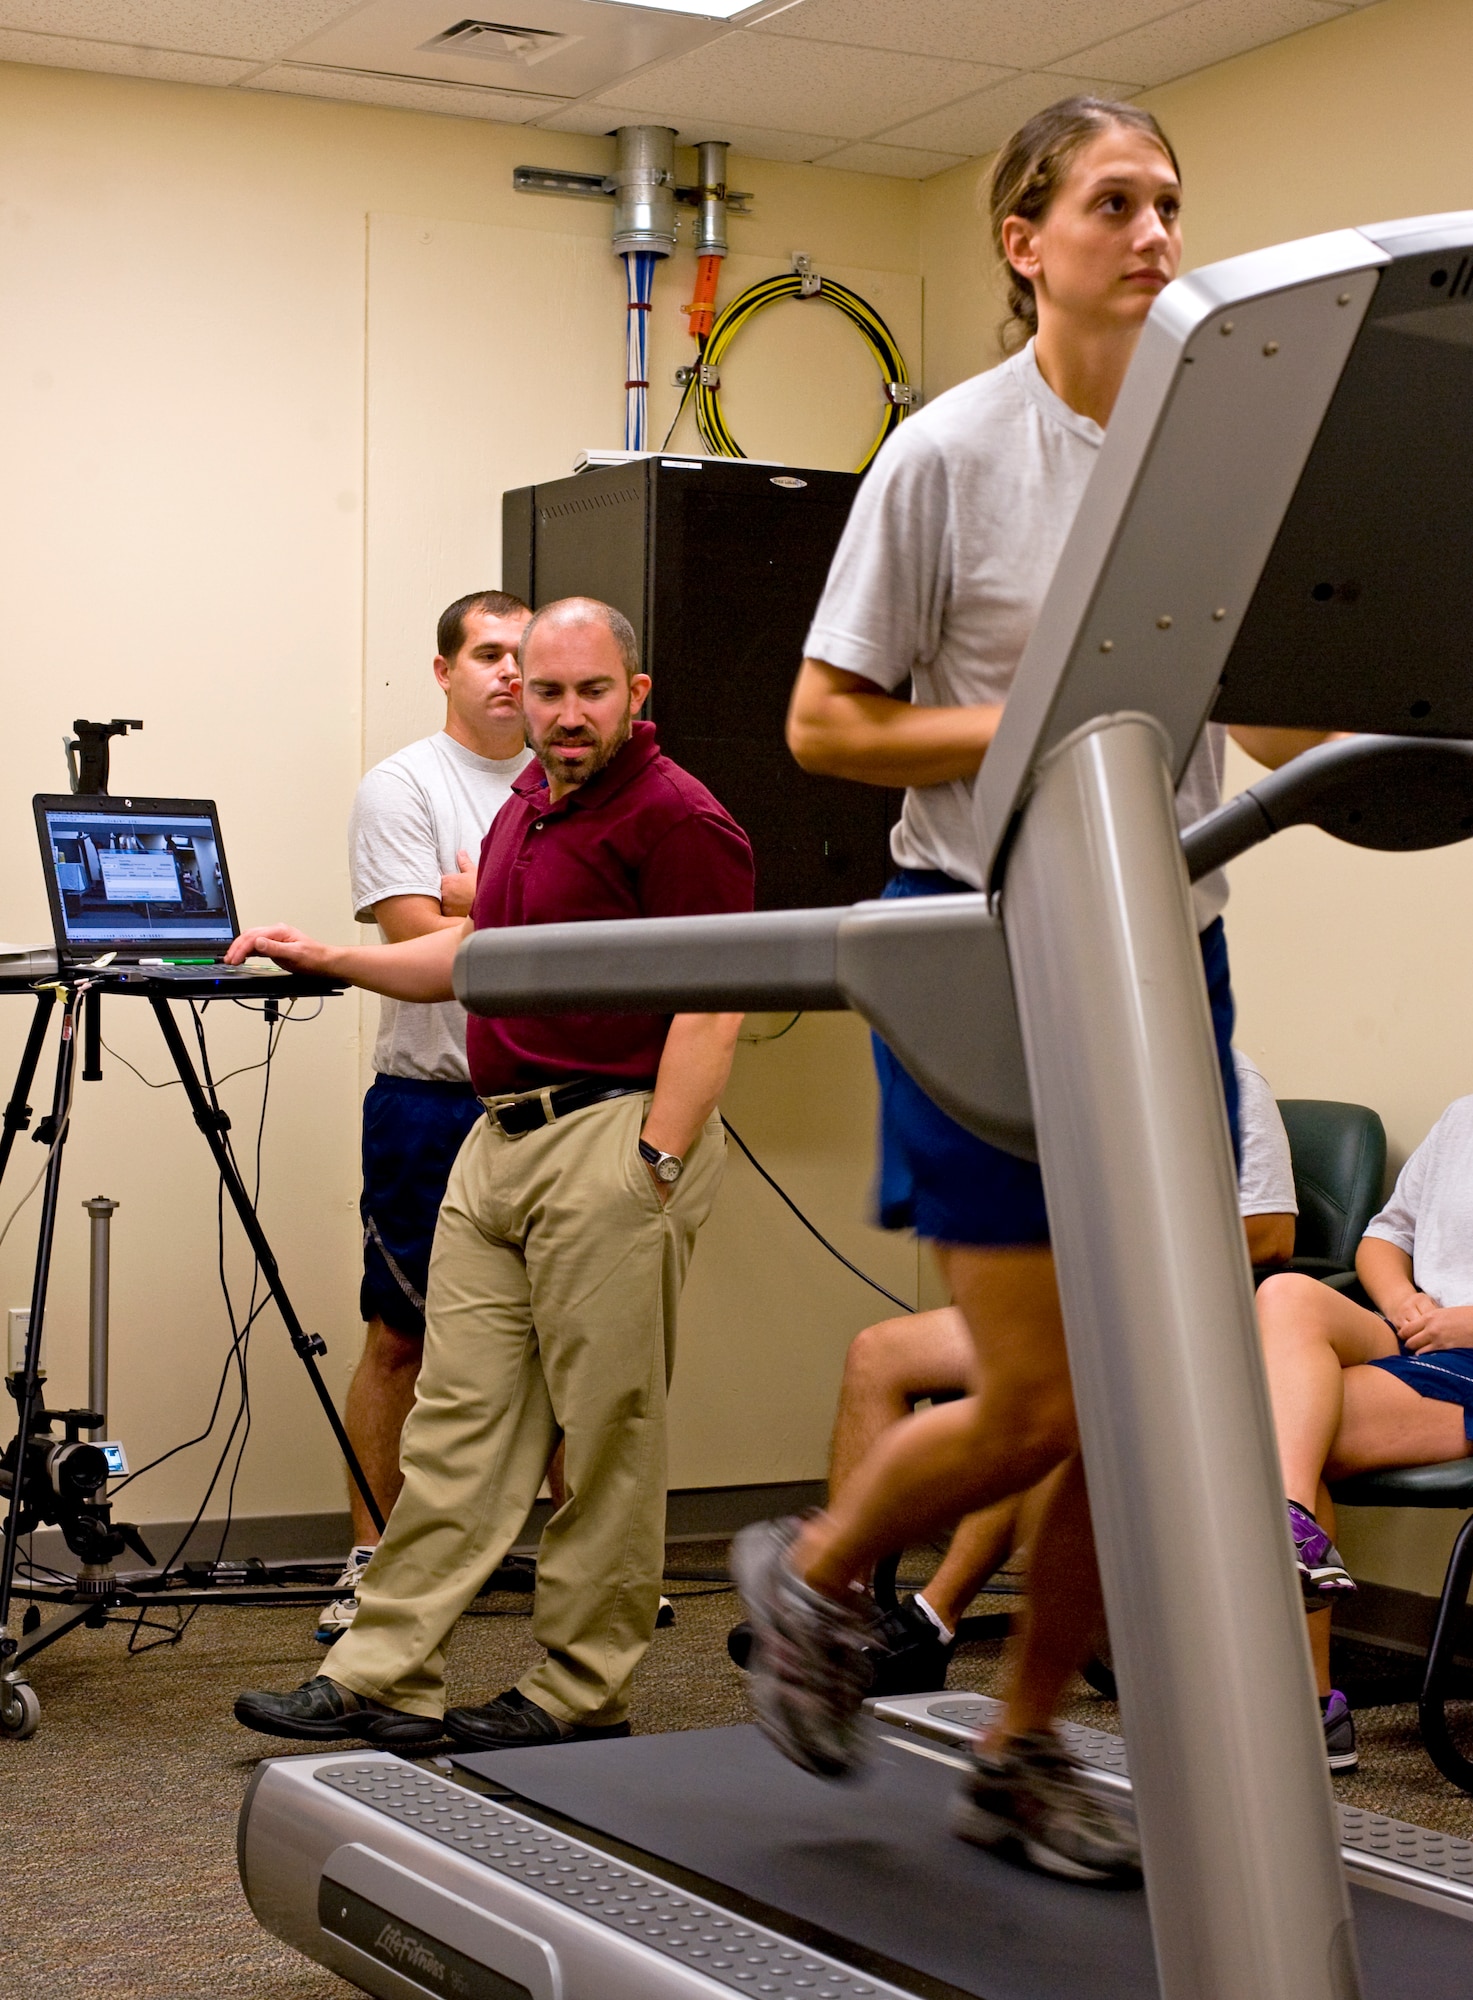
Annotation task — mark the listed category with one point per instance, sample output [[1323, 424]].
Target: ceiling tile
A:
[[254, 30], [1198, 36], [789, 85], [902, 162], [589, 46], [1020, 34], [980, 124], [113, 59], [756, 140], [403, 93]]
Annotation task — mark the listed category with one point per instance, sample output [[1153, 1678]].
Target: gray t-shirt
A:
[[1265, 1170], [948, 552], [1430, 1213], [412, 815]]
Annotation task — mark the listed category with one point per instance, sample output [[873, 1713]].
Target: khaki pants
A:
[[552, 1298]]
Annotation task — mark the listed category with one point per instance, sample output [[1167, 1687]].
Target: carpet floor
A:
[[117, 1819]]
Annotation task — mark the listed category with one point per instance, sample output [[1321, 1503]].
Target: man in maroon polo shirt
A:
[[563, 1240]]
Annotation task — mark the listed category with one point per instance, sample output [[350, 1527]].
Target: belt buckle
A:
[[541, 1098]]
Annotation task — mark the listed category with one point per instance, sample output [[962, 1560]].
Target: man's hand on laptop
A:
[[292, 949]]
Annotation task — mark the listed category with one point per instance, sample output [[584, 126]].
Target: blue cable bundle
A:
[[639, 268]]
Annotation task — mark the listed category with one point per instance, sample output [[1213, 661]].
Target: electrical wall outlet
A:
[[19, 1325]]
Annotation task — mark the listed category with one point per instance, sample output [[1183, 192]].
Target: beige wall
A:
[[226, 318]]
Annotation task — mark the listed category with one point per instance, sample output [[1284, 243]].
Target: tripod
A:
[[60, 1481]]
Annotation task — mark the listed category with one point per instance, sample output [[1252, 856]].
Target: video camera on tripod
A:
[[60, 1479]]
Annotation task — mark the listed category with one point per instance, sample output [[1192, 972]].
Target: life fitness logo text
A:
[[397, 1945]]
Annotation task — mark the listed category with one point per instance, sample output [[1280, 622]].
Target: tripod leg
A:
[[92, 1036], [307, 1345], [25, 1394], [17, 1112]]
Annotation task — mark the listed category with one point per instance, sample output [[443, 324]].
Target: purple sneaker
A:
[[808, 1662], [1339, 1731], [1320, 1569]]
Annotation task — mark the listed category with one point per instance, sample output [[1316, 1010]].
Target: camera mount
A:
[[88, 752]]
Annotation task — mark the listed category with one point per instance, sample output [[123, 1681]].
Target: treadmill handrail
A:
[[1348, 789], [764, 960], [930, 975]]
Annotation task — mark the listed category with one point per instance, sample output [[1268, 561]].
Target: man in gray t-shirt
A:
[[414, 840]]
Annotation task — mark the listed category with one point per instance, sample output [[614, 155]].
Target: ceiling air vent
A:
[[496, 41]]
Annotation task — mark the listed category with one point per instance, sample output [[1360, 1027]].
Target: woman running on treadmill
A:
[[938, 580]]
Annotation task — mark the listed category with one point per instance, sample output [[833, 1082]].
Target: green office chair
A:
[[1339, 1157], [1449, 1485]]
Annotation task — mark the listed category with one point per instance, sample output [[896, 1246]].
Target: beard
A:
[[601, 751]]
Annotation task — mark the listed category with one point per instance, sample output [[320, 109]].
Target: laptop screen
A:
[[136, 874]]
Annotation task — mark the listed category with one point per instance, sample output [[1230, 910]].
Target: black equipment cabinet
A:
[[718, 565]]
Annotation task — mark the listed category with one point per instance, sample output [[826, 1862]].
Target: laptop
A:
[[140, 882]]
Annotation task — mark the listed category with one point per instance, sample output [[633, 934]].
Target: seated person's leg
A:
[[1385, 1422], [1311, 1337], [950, 1460], [890, 1366], [979, 1548]]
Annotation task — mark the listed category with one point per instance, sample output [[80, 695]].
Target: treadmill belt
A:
[[872, 1861]]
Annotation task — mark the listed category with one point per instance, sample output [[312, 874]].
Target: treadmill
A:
[[1278, 532]]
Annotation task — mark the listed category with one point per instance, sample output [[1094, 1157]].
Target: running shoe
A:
[[1339, 1731], [907, 1653], [1321, 1571], [335, 1618], [808, 1663], [1030, 1804]]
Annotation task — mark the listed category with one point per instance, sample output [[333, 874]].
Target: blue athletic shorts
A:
[[1445, 1375], [948, 1185], [412, 1131]]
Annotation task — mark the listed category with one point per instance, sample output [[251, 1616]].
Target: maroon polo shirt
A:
[[641, 839]]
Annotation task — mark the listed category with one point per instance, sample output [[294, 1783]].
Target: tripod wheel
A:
[[20, 1711]]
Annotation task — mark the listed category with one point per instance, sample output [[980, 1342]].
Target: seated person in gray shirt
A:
[[418, 818], [1356, 1390]]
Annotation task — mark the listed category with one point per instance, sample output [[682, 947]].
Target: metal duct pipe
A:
[[644, 189], [711, 220]]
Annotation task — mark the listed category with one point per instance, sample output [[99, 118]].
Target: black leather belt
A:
[[529, 1112]]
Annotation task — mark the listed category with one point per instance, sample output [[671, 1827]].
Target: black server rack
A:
[[718, 565]]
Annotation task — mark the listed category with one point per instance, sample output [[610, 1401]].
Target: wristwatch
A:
[[666, 1167]]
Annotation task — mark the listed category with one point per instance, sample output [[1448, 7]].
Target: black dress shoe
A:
[[322, 1712], [909, 1655], [511, 1722]]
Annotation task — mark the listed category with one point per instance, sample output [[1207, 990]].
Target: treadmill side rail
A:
[[366, 1863]]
